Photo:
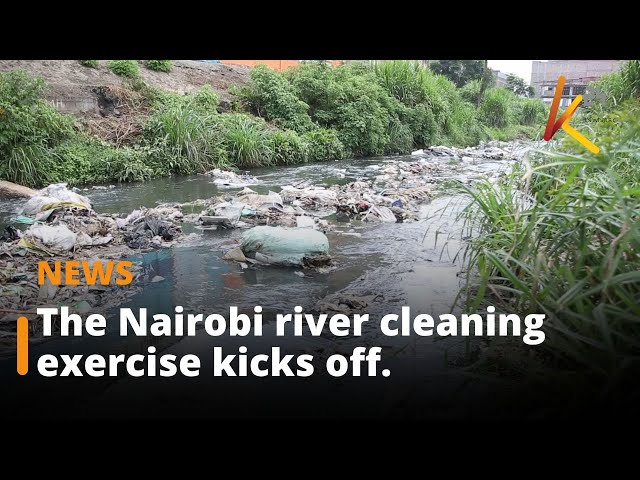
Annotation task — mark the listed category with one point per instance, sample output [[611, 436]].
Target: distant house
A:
[[501, 78], [278, 65], [544, 77]]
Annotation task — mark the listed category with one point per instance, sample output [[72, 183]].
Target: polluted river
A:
[[376, 267]]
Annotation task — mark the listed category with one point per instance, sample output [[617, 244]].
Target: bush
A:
[[471, 92], [621, 85], [269, 95], [324, 144], [90, 63], [124, 68], [288, 147], [532, 112], [159, 65], [495, 110], [29, 129], [88, 160], [405, 80]]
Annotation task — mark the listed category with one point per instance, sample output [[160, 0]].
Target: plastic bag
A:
[[285, 246], [53, 195], [59, 237]]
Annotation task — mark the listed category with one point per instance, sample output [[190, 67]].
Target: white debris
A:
[[225, 178]]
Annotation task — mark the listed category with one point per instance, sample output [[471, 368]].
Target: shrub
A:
[[87, 160], [124, 68], [288, 147], [621, 85], [405, 80], [90, 63], [532, 112], [324, 144], [471, 92], [29, 129], [269, 95], [495, 110], [159, 65]]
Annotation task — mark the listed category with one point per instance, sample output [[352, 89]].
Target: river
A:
[[414, 263]]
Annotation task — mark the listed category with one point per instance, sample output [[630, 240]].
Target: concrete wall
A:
[[76, 104]]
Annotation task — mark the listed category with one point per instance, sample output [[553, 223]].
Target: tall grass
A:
[[405, 80], [621, 85], [190, 130], [495, 108], [247, 140], [560, 235]]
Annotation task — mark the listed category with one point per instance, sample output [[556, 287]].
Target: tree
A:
[[518, 86], [488, 81], [459, 72]]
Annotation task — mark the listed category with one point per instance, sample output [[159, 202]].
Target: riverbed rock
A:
[[13, 190], [235, 254]]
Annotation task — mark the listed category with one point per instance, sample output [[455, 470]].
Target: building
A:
[[544, 77], [278, 65], [501, 78]]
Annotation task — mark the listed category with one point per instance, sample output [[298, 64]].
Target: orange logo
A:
[[563, 121]]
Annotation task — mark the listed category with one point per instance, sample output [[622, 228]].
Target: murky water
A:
[[414, 263]]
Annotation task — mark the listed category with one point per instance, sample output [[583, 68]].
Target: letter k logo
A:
[[563, 121]]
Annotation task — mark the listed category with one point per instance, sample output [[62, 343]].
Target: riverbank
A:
[[312, 113]]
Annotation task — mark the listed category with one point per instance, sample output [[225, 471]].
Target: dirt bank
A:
[[67, 79]]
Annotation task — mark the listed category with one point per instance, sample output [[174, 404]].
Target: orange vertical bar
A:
[[22, 346]]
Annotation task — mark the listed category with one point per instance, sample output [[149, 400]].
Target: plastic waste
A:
[[54, 196], [397, 203], [303, 221], [25, 220], [418, 152], [317, 195], [284, 246], [257, 201], [59, 236], [230, 210], [382, 214], [230, 179]]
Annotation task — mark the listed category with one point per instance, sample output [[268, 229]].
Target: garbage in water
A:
[[225, 178], [286, 246], [54, 196]]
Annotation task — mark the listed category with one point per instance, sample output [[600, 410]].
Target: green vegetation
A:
[[560, 235], [311, 113], [124, 68], [159, 65], [518, 86], [460, 72], [90, 63]]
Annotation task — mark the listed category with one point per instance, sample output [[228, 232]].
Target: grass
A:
[[560, 235], [159, 65], [124, 68], [247, 141], [89, 63]]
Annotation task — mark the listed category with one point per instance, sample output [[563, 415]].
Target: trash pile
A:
[[62, 225], [493, 150], [61, 221], [226, 178]]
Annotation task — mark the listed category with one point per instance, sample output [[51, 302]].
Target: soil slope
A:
[[68, 79]]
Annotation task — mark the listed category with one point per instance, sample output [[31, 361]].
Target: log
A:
[[13, 190]]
